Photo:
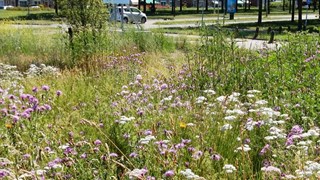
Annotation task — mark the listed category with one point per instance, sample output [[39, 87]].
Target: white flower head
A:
[[271, 169], [229, 168], [226, 127]]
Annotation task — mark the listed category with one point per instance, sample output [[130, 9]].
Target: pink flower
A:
[[169, 173]]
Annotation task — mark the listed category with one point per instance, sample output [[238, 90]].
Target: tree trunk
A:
[[299, 15], [197, 6], [260, 12], [56, 7], [207, 4], [293, 6], [290, 4]]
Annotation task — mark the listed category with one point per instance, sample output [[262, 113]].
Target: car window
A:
[[135, 10]]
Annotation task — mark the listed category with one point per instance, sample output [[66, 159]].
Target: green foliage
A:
[[87, 20]]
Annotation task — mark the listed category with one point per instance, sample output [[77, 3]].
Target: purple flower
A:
[[45, 88], [34, 89], [15, 118], [47, 149], [147, 132], [47, 107], [185, 141], [139, 77], [216, 157], [26, 156], [97, 142], [10, 96], [164, 86], [264, 149], [83, 156], [179, 146], [169, 173], [126, 136], [23, 96], [113, 155], [289, 141], [296, 130], [3, 173], [191, 149], [133, 155], [197, 155], [59, 93]]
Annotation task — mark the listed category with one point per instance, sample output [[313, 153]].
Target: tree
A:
[[86, 20], [88, 14]]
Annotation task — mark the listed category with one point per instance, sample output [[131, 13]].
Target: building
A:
[[24, 3], [7, 3]]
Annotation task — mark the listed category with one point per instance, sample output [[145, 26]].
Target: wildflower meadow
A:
[[145, 106]]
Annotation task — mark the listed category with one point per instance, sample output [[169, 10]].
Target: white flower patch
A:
[[34, 70], [312, 166], [244, 148], [277, 122], [311, 132], [269, 112], [271, 169], [250, 95], [230, 118], [269, 138], [221, 98], [250, 125], [124, 119], [210, 92], [65, 146], [226, 127], [289, 176], [261, 102], [229, 168], [146, 139], [277, 132], [235, 111], [137, 173], [189, 174], [254, 91], [304, 143], [303, 174], [190, 124], [169, 98], [200, 100]]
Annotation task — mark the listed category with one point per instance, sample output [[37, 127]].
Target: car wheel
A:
[[125, 20], [143, 20]]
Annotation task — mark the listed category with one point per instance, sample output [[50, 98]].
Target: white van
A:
[[130, 15]]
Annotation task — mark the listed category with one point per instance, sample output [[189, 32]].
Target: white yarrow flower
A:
[[229, 168]]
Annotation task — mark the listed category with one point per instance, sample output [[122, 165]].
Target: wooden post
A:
[[271, 37], [256, 33], [269, 30], [280, 29]]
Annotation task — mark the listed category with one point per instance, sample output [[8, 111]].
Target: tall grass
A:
[[139, 110]]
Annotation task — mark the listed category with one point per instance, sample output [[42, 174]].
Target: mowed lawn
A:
[[22, 13]]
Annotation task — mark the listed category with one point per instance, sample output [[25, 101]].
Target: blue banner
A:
[[231, 6]]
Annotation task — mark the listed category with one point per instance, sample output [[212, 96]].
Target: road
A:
[[196, 22], [191, 22]]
